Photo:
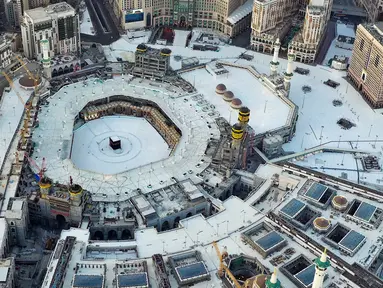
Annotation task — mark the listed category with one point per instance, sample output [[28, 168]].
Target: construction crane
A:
[[27, 106], [13, 87], [42, 169], [222, 266], [31, 76]]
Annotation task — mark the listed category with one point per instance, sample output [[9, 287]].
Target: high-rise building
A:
[[227, 16], [321, 265], [366, 67], [57, 23], [280, 19], [306, 42], [271, 19], [14, 10]]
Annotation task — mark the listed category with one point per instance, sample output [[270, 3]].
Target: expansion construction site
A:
[[217, 173]]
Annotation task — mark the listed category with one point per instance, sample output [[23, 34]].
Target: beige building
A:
[[271, 19], [306, 42], [229, 17], [281, 19], [366, 67]]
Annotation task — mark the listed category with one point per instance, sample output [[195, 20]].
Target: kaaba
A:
[[115, 143]]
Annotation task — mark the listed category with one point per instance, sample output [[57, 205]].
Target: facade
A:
[[151, 63], [306, 42], [14, 10], [57, 23], [279, 19], [366, 65], [271, 20], [17, 217], [229, 16], [5, 52]]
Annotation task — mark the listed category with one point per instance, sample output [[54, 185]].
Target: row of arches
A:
[[166, 225], [61, 71], [112, 235]]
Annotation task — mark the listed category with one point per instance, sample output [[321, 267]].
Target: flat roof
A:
[[148, 178], [365, 211], [4, 273], [269, 240], [91, 281], [133, 280], [316, 191], [292, 208], [192, 270], [17, 205], [306, 276], [241, 12], [352, 240]]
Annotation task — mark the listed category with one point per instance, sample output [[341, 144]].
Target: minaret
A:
[[46, 59], [273, 282], [289, 72], [321, 265], [274, 63]]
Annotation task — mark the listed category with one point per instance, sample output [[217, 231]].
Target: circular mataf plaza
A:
[[98, 133]]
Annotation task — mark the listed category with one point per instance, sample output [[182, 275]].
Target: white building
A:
[[18, 221], [7, 273], [57, 23], [5, 52]]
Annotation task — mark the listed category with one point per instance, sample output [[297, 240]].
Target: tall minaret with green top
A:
[[321, 265], [272, 281]]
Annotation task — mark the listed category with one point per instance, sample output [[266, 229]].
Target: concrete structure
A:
[[5, 52], [151, 63], [57, 23], [366, 65], [321, 265], [17, 217], [7, 273]]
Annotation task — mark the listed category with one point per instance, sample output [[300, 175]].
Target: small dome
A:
[[228, 96], [166, 51], [237, 126], [220, 89], [244, 109], [321, 222], [339, 202], [142, 47], [236, 103], [27, 82]]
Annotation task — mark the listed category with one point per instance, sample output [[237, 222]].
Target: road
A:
[[103, 37], [326, 43]]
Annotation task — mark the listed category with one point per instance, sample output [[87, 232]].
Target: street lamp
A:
[[244, 213], [197, 236]]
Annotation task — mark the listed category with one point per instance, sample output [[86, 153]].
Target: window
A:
[[361, 45], [377, 59]]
